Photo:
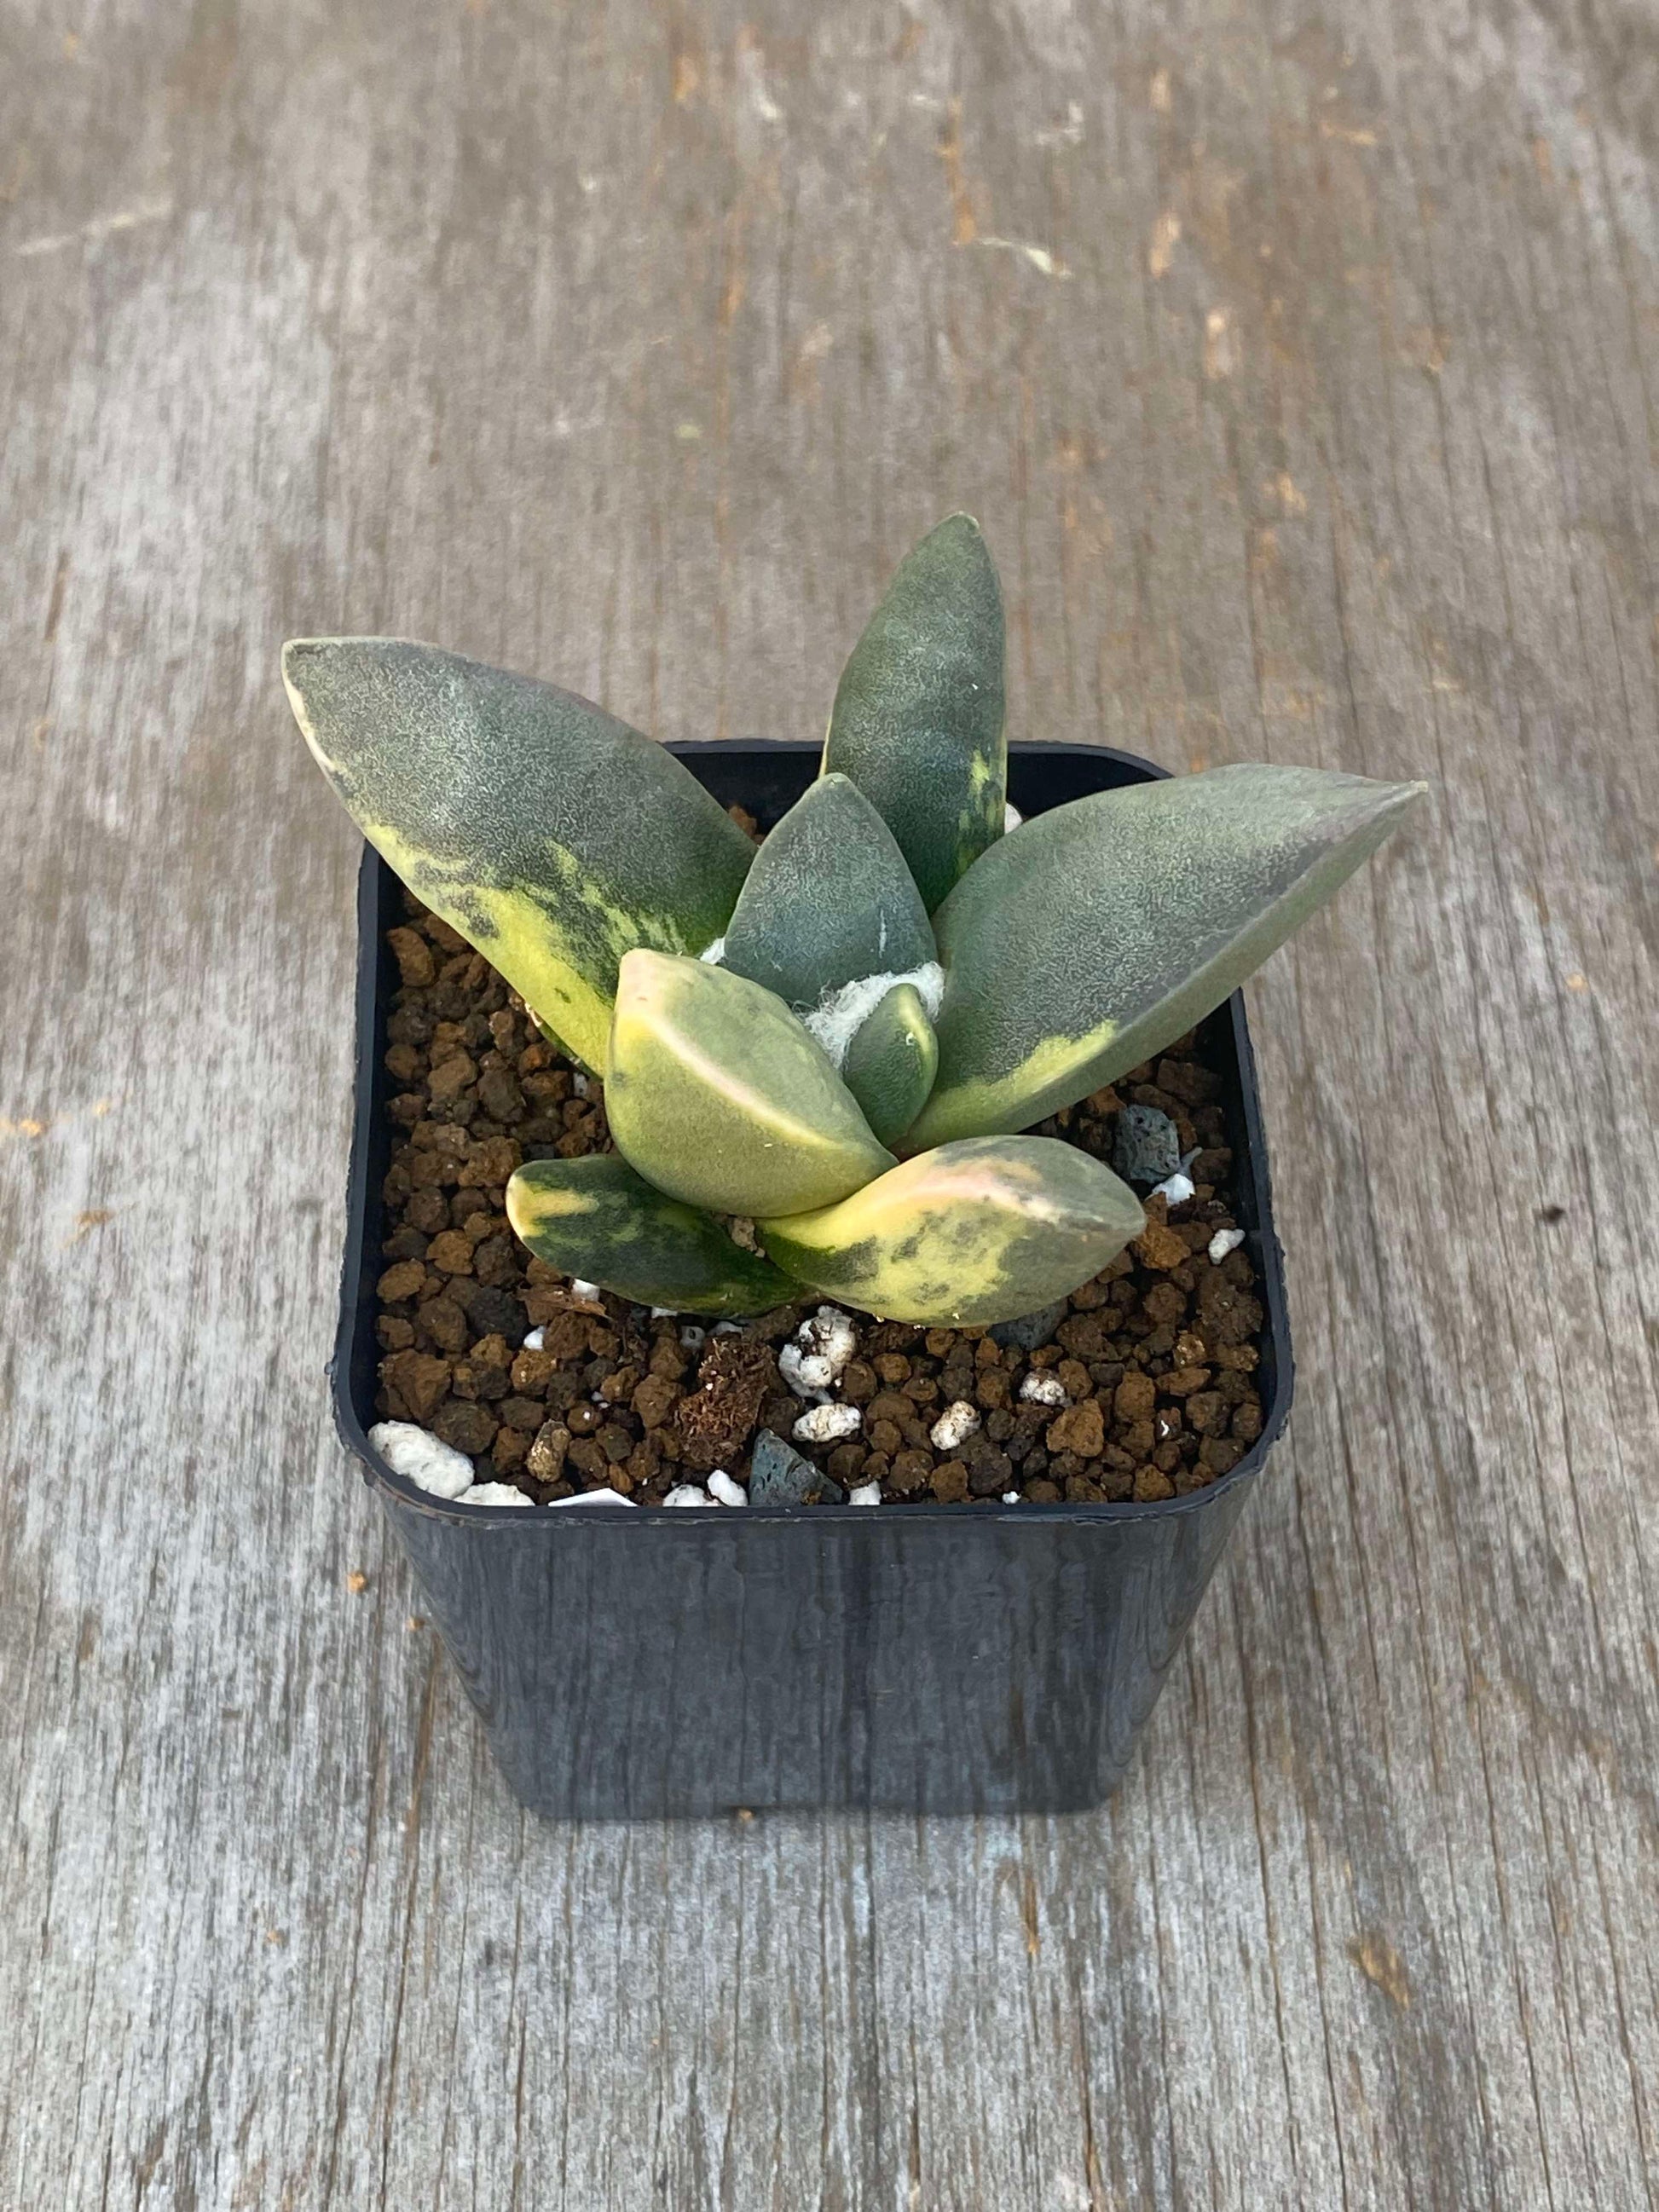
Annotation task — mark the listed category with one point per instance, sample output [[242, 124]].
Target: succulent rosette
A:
[[817, 1054]]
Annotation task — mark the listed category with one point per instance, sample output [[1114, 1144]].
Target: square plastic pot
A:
[[635, 1662]]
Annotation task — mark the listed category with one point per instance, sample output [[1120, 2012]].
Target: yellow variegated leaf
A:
[[717, 1095], [981, 1231], [553, 836], [1084, 942], [596, 1219]]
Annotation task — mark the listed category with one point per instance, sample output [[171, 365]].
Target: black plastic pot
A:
[[940, 1658]]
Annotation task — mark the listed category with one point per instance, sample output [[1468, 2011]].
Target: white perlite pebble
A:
[[812, 1364], [1010, 1498], [1176, 1189], [581, 1289], [687, 1493], [728, 1328], [826, 1424], [808, 1373], [868, 1493], [692, 1337], [714, 953], [721, 1486], [430, 1464], [592, 1498], [837, 1019], [492, 1493], [1011, 816], [830, 1334], [954, 1425], [1225, 1241], [1040, 1389], [534, 1342], [657, 1313], [581, 1084]]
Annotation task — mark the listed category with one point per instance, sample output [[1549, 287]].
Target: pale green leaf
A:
[[890, 1062], [918, 718], [1086, 941], [828, 902]]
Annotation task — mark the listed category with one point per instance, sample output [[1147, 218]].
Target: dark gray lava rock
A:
[[780, 1475], [1148, 1145]]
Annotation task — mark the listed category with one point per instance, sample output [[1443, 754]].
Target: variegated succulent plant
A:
[[816, 1055]]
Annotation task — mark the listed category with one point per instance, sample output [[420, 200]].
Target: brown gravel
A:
[[1155, 1356]]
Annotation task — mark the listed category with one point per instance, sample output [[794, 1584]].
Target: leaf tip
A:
[[304, 658], [960, 535], [1384, 807], [298, 651], [643, 974], [519, 1206]]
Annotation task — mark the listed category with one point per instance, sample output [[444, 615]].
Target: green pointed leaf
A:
[[918, 720], [828, 900], [596, 1219], [890, 1062], [717, 1095], [553, 836], [982, 1231], [1087, 941]]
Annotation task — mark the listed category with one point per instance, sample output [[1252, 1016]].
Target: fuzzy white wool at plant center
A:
[[837, 1019]]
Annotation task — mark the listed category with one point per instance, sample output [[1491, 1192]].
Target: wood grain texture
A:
[[1297, 357]]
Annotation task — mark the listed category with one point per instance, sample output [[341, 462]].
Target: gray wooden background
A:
[[1299, 356]]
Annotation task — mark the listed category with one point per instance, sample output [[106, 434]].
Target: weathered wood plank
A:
[[1296, 364]]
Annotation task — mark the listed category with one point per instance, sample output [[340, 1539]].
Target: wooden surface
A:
[[1298, 358]]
